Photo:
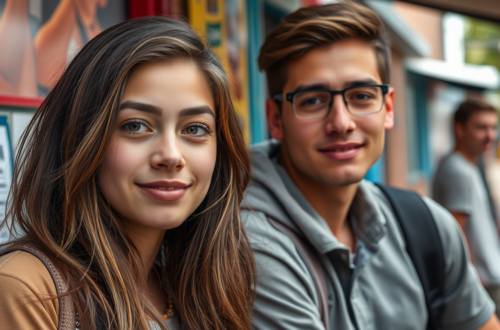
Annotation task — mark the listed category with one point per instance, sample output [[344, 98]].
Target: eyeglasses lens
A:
[[360, 101]]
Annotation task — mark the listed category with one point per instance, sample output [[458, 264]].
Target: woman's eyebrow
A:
[[193, 111], [141, 107]]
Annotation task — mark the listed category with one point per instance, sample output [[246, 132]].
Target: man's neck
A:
[[331, 202], [470, 157]]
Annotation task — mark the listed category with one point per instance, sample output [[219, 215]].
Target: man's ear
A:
[[459, 131], [389, 109], [274, 123]]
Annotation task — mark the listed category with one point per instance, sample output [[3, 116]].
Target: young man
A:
[[327, 70], [459, 187]]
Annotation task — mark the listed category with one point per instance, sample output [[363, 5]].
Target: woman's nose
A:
[[168, 154]]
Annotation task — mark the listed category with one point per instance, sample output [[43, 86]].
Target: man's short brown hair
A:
[[317, 26], [468, 107]]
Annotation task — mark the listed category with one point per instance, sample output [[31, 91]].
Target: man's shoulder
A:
[[454, 165], [254, 221], [447, 227], [443, 219], [446, 224], [263, 236]]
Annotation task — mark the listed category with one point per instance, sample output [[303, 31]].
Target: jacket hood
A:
[[272, 192]]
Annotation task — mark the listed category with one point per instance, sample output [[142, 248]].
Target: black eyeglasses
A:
[[316, 103]]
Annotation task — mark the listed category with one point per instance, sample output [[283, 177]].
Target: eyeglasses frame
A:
[[289, 98]]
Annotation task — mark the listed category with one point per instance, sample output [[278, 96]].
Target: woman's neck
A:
[[148, 242]]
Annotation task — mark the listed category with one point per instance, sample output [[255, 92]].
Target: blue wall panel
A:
[[257, 98]]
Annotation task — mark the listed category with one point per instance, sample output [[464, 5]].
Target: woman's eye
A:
[[196, 130], [135, 127]]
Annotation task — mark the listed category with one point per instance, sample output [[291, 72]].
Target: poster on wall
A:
[[6, 169], [38, 39], [223, 25]]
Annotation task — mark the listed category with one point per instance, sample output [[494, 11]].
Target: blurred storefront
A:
[[38, 38], [431, 82], [430, 76]]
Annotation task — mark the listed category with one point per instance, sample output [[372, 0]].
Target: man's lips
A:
[[164, 190], [342, 151]]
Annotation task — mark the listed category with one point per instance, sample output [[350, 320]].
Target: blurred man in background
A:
[[459, 187]]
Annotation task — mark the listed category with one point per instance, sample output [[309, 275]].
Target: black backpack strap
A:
[[311, 258], [423, 245]]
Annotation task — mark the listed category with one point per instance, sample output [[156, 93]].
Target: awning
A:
[[403, 36], [485, 9], [465, 75]]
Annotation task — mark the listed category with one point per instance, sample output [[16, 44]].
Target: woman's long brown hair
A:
[[56, 204]]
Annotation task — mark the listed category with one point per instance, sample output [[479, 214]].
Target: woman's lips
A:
[[342, 152], [164, 190]]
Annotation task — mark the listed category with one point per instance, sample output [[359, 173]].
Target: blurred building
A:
[[431, 78], [429, 74], [38, 38]]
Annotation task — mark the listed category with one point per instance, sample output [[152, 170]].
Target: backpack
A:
[[423, 245]]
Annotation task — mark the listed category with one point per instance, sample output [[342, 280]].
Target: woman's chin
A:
[[164, 223]]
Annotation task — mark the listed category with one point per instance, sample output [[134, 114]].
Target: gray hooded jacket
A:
[[385, 290]]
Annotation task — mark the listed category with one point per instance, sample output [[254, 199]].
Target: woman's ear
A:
[[273, 115]]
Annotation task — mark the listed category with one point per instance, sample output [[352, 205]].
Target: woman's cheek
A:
[[202, 163], [121, 158]]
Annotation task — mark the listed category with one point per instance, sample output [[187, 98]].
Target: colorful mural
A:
[[38, 38], [223, 24]]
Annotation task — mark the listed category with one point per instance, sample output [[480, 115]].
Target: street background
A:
[[443, 51]]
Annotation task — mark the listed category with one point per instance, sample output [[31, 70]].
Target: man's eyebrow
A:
[[354, 83], [193, 111], [306, 87], [141, 107]]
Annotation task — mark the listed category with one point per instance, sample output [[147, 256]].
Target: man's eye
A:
[[312, 101], [362, 97]]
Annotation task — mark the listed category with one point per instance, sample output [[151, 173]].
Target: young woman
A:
[[129, 180]]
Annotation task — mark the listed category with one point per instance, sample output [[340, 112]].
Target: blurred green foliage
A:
[[482, 42]]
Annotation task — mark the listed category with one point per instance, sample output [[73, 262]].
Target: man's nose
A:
[[493, 134], [339, 120]]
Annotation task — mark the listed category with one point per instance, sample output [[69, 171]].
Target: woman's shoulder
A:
[[26, 288], [28, 269]]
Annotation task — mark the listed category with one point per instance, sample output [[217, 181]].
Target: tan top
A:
[[25, 286]]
